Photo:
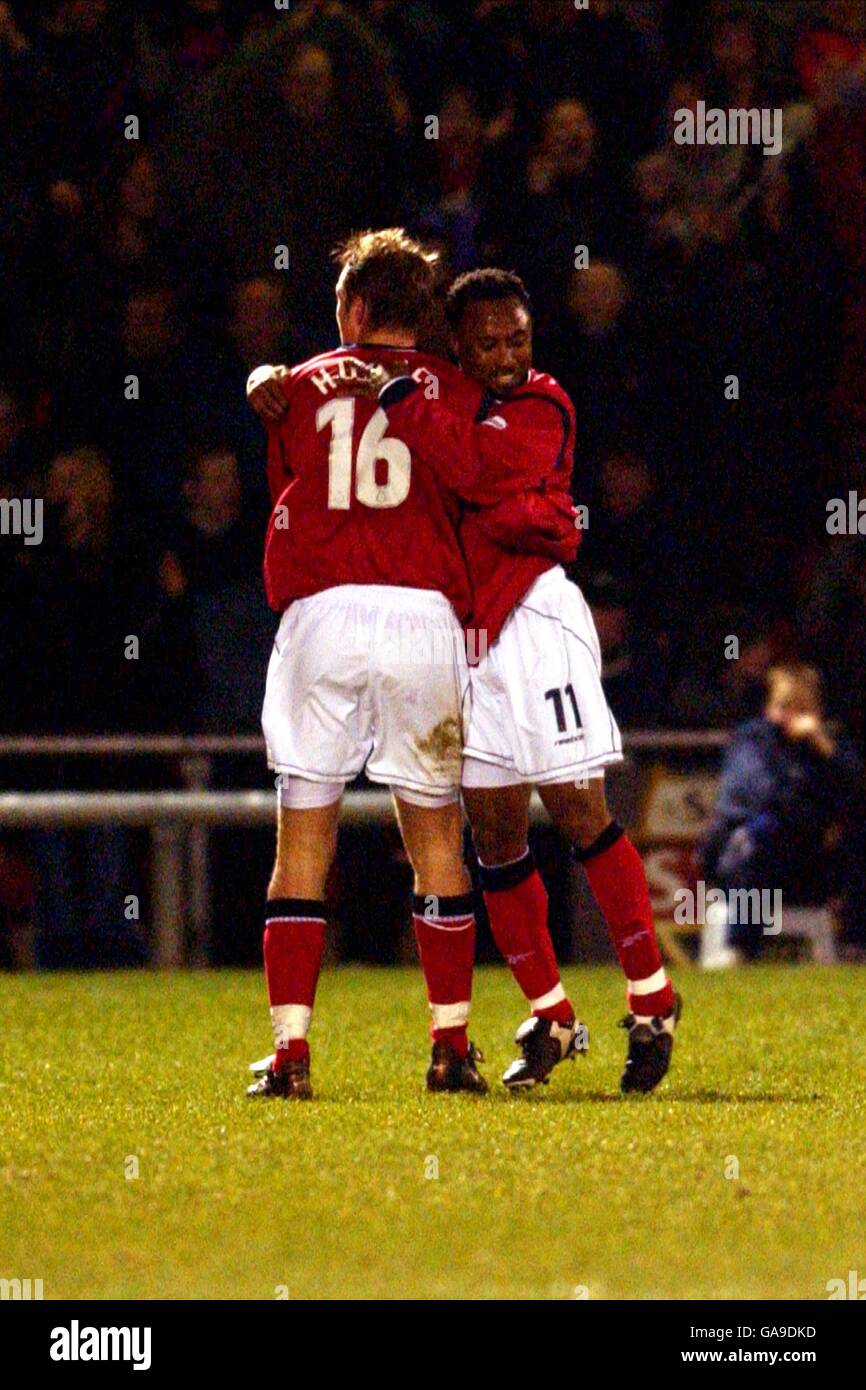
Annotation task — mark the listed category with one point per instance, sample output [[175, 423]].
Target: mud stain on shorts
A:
[[443, 746]]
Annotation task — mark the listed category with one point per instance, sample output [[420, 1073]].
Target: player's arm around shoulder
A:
[[527, 441], [535, 522], [435, 409], [525, 487]]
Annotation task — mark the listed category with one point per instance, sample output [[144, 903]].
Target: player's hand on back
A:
[[265, 394]]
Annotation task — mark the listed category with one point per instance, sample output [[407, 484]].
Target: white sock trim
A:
[[506, 863], [651, 985], [450, 923], [290, 1021], [546, 1001], [323, 920], [450, 1015]]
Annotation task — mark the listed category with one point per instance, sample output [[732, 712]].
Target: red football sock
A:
[[446, 945], [294, 943], [516, 903], [617, 879]]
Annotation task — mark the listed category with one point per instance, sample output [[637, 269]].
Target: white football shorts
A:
[[368, 677], [537, 709]]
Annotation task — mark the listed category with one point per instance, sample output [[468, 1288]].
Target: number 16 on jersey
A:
[[339, 415]]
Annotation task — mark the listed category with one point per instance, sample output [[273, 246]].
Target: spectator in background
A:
[[572, 162], [81, 79], [727, 266], [529, 54], [790, 784], [90, 594], [133, 389], [94, 668], [117, 245], [590, 353], [622, 538], [716, 684], [423, 45], [831, 623], [308, 146], [17, 468], [213, 570], [16, 450], [568, 197], [661, 225], [632, 662], [22, 176], [735, 66], [598, 297], [13, 39], [177, 43], [151, 330], [566, 148], [831, 64], [131, 239], [257, 328], [707, 176], [698, 196], [457, 216]]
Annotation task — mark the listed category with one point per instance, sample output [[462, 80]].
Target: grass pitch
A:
[[567, 1192]]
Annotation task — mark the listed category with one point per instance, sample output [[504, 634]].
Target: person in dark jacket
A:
[[790, 782]]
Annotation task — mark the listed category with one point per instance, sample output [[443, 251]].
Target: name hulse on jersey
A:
[[346, 371]]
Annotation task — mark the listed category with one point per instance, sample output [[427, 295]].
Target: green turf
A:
[[537, 1196]]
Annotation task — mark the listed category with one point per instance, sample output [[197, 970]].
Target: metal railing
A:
[[193, 745], [179, 821]]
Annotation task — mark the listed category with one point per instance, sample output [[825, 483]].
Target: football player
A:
[[539, 717], [368, 670]]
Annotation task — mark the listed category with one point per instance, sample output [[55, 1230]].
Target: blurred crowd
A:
[[140, 284]]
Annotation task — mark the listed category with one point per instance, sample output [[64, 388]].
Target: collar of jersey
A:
[[388, 347]]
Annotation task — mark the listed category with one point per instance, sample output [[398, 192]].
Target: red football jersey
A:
[[526, 443], [355, 499]]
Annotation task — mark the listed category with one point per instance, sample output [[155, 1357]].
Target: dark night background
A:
[[260, 128]]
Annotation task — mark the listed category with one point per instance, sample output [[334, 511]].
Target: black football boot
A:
[[543, 1043], [448, 1071], [290, 1083], [649, 1049]]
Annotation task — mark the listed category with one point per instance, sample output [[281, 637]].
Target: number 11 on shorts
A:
[[556, 695]]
